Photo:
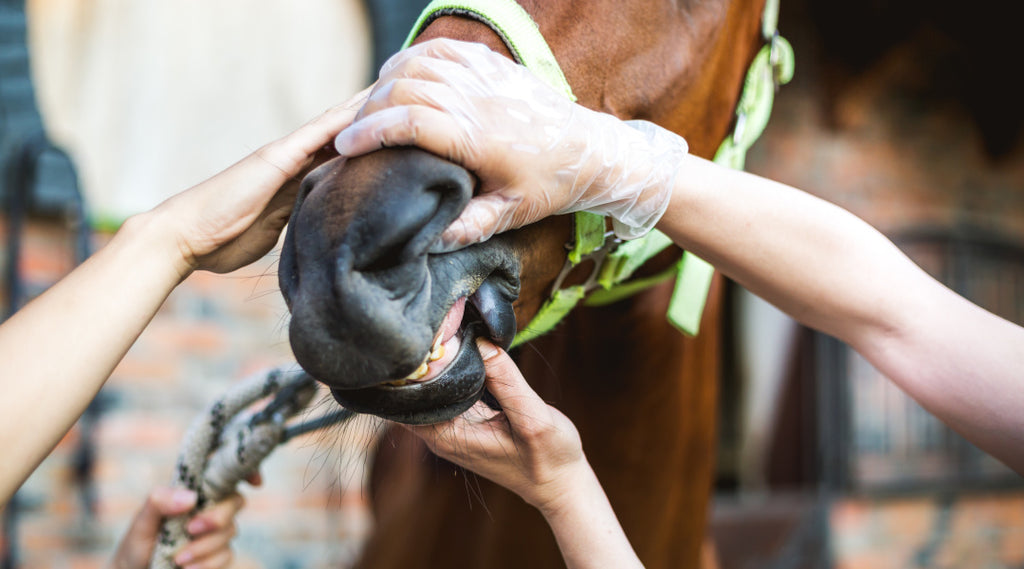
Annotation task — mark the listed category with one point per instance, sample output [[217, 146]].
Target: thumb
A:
[[504, 380], [136, 546], [162, 502]]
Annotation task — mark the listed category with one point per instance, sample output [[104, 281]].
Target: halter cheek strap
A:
[[615, 261]]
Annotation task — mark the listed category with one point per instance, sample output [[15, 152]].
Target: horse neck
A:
[[624, 364], [646, 75]]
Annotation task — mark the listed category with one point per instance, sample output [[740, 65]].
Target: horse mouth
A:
[[451, 377], [387, 325], [443, 349]]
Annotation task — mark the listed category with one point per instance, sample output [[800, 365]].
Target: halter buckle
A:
[[597, 256]]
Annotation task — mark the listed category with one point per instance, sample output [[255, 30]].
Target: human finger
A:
[[483, 217], [136, 546], [209, 546], [457, 51], [292, 152], [495, 210], [255, 478], [414, 72], [161, 502], [217, 517], [518, 400], [431, 129], [218, 560], [459, 437], [407, 92]]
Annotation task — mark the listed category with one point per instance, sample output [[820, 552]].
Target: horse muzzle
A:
[[389, 327]]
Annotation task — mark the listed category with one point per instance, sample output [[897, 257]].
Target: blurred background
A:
[[905, 113]]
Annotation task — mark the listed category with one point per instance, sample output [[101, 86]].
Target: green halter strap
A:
[[615, 261]]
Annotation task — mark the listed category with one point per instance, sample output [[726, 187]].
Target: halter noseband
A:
[[615, 260]]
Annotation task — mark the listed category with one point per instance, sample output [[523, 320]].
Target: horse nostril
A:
[[395, 238], [407, 213]]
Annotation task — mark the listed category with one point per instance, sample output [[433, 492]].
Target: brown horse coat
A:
[[643, 397]]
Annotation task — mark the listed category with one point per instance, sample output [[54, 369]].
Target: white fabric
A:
[[151, 96]]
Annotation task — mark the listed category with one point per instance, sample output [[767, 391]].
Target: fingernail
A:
[[343, 143], [183, 558], [183, 498], [487, 349], [446, 243], [439, 247], [197, 526]]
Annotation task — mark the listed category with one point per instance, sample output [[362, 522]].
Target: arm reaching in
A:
[[534, 450], [57, 351], [821, 264], [832, 271], [536, 152]]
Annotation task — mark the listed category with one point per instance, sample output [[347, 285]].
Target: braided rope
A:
[[224, 446]]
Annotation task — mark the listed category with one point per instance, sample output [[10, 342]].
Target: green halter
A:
[[615, 261]]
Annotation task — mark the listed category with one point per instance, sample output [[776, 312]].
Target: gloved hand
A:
[[535, 152]]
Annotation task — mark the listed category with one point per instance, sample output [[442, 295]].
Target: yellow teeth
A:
[[420, 372], [436, 353]]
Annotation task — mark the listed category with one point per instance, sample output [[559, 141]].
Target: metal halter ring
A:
[[598, 256]]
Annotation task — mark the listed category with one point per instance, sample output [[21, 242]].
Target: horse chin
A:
[[443, 396]]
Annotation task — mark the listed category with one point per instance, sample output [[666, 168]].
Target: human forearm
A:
[[59, 349], [814, 260], [535, 451], [585, 526], [834, 272]]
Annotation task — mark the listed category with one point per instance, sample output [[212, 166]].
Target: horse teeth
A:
[[436, 353], [420, 372], [397, 383]]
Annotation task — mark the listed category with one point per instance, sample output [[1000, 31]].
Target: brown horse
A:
[[367, 302]]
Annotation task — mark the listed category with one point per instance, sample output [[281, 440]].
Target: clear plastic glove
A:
[[535, 152]]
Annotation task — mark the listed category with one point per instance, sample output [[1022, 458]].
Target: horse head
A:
[[390, 326]]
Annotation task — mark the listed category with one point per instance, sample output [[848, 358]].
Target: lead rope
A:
[[226, 443]]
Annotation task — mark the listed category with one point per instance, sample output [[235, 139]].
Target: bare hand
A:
[[236, 217], [211, 530], [529, 447]]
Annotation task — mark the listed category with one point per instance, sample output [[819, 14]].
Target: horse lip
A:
[[491, 300], [456, 389], [488, 314], [495, 310], [357, 355]]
